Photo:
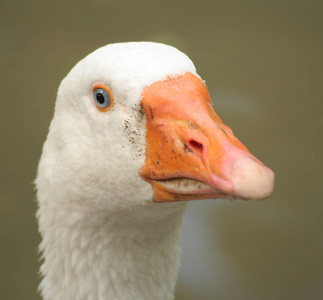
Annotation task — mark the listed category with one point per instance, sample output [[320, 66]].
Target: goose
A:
[[134, 137]]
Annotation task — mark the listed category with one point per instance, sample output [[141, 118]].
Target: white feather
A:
[[103, 237]]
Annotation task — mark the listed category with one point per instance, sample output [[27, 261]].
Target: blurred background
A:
[[262, 62]]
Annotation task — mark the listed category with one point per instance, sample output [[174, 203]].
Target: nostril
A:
[[196, 147]]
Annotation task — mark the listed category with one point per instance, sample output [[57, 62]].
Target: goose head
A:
[[134, 125], [133, 137]]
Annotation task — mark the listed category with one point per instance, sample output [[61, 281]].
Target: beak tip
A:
[[252, 180]]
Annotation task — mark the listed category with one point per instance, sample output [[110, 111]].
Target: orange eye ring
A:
[[103, 97]]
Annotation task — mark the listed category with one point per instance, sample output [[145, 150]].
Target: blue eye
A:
[[102, 98]]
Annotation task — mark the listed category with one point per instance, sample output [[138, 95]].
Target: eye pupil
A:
[[100, 98]]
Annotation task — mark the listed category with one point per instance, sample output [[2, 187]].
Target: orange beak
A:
[[190, 153]]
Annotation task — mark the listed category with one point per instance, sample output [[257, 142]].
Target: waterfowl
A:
[[134, 137]]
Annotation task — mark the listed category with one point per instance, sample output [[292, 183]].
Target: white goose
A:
[[133, 127]]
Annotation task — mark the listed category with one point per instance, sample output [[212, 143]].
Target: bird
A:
[[133, 139]]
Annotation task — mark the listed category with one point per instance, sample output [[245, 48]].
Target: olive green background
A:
[[262, 62]]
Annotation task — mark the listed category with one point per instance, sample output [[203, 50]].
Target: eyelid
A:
[[102, 86]]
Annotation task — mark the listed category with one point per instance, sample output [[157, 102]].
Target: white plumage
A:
[[104, 237]]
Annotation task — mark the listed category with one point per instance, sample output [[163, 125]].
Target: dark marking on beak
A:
[[222, 129], [151, 113], [192, 125], [186, 148]]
